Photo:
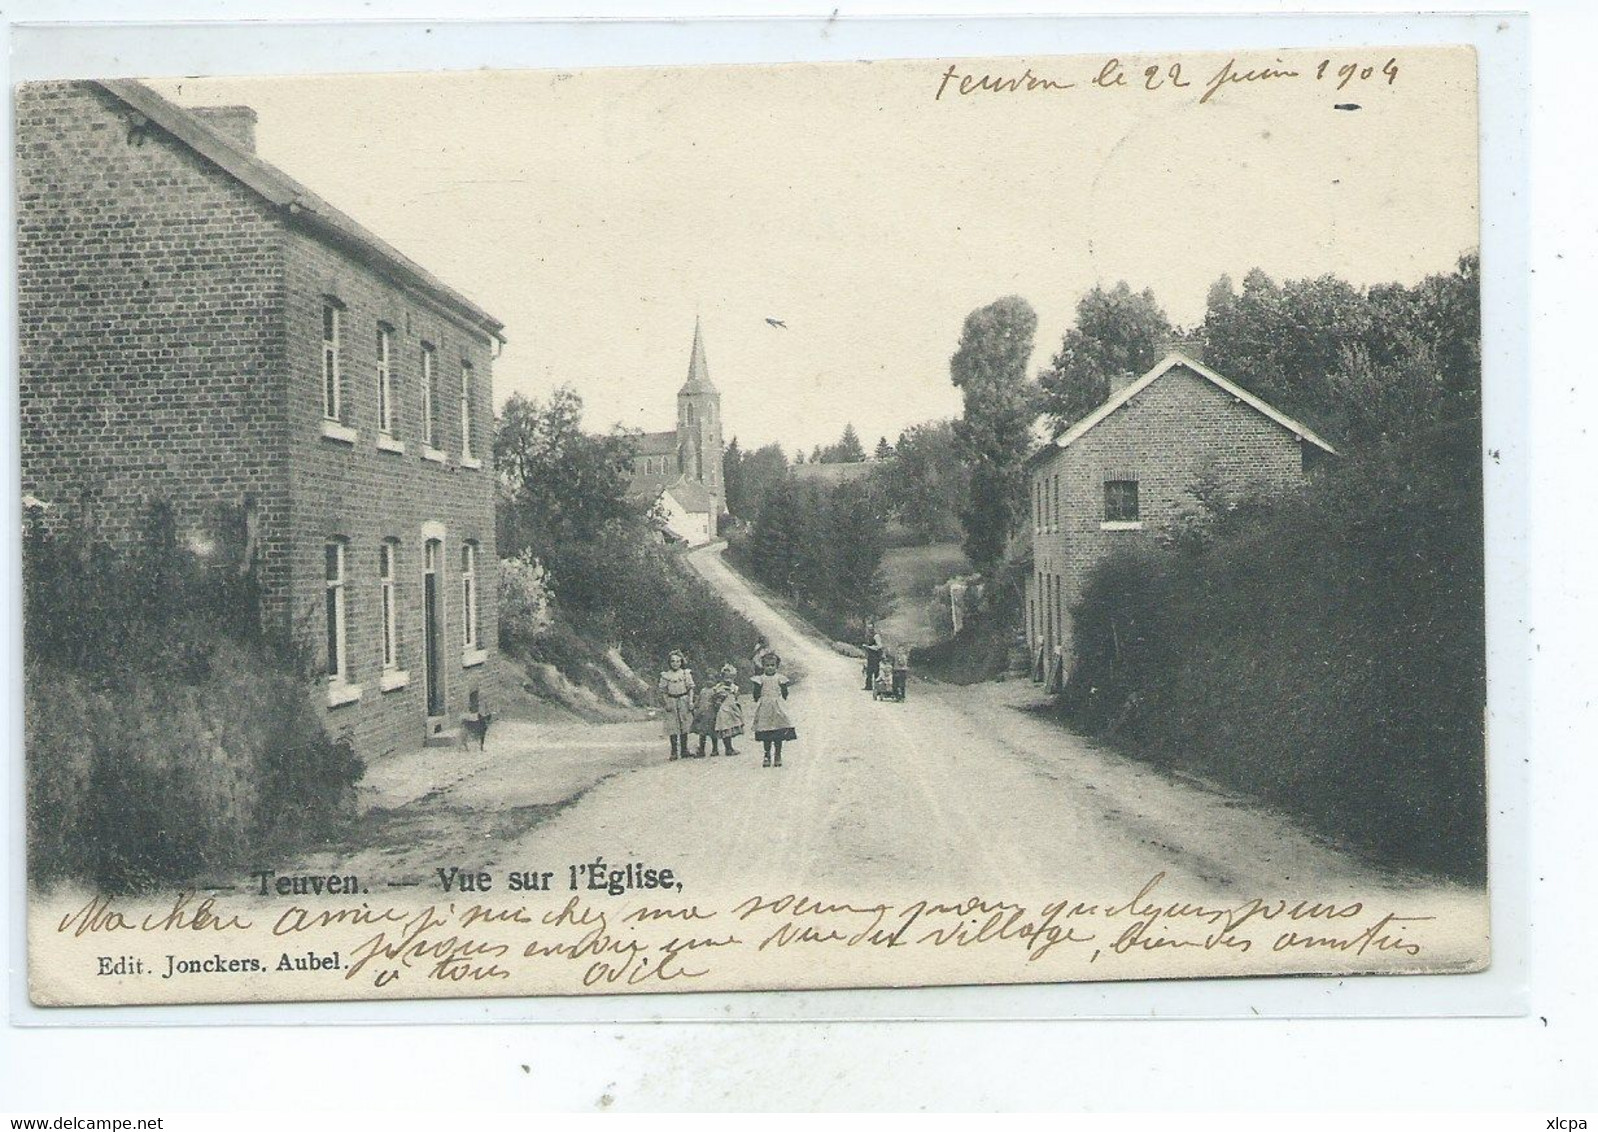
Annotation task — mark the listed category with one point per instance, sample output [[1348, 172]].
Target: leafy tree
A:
[[1356, 364], [925, 482], [989, 367], [734, 493], [775, 544], [1118, 334], [813, 581], [1282, 342], [751, 479], [856, 538], [559, 486], [884, 450]]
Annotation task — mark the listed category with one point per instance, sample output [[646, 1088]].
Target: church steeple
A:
[[699, 441], [698, 373]]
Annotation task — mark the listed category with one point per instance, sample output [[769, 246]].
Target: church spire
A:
[[698, 373]]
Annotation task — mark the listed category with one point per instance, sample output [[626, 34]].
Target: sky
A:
[[599, 213]]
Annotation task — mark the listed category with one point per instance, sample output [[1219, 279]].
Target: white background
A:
[[1541, 1061]]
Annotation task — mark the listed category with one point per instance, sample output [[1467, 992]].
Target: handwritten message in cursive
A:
[[195, 949]]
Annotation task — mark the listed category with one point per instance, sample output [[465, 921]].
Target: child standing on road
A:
[[729, 711], [676, 691], [708, 701], [772, 725]]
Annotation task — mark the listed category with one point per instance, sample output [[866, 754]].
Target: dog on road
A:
[[475, 727]]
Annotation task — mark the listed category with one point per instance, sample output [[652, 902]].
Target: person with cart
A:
[[874, 650]]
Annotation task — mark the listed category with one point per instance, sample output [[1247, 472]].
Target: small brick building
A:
[[198, 329], [1132, 468]]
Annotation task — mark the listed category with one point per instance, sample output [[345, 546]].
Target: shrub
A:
[[1325, 653], [526, 605], [166, 735], [626, 592]]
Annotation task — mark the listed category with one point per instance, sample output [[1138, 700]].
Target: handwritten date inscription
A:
[[1169, 76]]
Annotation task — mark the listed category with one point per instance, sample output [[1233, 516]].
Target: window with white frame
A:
[[429, 411], [469, 595], [386, 571], [1056, 502], [332, 395], [385, 379], [1120, 501], [466, 411], [338, 670]]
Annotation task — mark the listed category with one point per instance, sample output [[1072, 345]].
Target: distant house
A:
[[1130, 469], [679, 471], [199, 330]]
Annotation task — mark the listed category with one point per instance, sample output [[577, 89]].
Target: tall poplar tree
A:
[[994, 434]]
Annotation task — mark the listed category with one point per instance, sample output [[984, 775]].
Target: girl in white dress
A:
[[677, 702], [772, 725]]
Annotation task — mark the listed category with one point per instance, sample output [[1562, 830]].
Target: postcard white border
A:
[[60, 50]]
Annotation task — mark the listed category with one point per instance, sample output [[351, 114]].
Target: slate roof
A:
[[656, 443], [698, 373], [691, 494], [1172, 361], [299, 204]]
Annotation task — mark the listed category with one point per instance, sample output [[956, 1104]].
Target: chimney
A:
[[1187, 344], [1119, 381], [236, 123]]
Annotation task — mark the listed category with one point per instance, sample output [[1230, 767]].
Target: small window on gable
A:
[[1120, 501]]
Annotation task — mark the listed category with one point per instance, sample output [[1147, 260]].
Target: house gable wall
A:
[[170, 338], [150, 329], [1181, 432]]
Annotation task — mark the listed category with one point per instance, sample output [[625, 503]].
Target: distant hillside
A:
[[834, 474], [913, 573]]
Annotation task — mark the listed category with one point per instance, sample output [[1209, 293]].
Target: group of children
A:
[[716, 713]]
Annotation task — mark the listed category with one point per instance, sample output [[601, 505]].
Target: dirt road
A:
[[961, 789]]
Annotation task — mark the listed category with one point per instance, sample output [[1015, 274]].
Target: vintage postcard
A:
[[880, 524]]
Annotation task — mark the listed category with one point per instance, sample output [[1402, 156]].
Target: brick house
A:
[[1132, 468], [679, 471], [196, 328]]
